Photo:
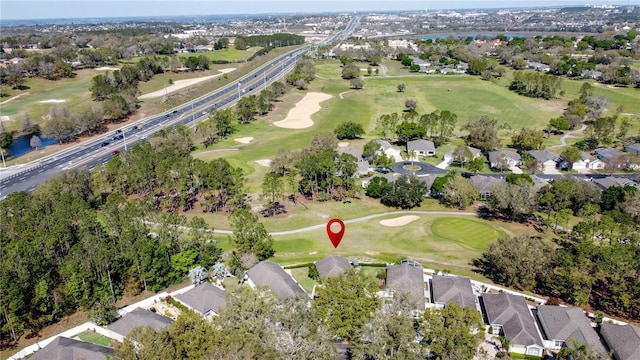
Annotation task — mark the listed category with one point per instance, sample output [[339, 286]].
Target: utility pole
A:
[[124, 139]]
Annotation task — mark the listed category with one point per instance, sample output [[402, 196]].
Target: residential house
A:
[[332, 266], [408, 279], [421, 147], [63, 348], [504, 159], [356, 153], [206, 299], [539, 182], [389, 150], [609, 181], [273, 276], [607, 153], [538, 66], [622, 340], [448, 289], [586, 162], [485, 184], [510, 316], [137, 318], [546, 158], [633, 148], [474, 154], [363, 168], [562, 326]]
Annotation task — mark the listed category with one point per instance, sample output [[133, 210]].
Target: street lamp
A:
[[2, 153], [124, 139]]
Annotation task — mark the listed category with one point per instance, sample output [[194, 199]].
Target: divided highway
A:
[[90, 153]]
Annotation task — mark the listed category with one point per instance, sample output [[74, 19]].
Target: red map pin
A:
[[335, 237]]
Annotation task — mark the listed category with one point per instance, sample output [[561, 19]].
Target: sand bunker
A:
[[181, 84], [244, 140], [300, 116], [5, 118], [106, 68], [52, 101], [264, 162], [343, 144], [399, 221]]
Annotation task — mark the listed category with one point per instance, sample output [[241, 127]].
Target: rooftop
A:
[[204, 298], [448, 289], [273, 276], [513, 314], [63, 348], [139, 317]]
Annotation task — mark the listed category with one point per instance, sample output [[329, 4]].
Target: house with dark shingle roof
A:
[[622, 340], [421, 147], [497, 159], [332, 266], [562, 326], [206, 299], [273, 276], [509, 315], [609, 181], [474, 154], [63, 348], [606, 153], [633, 148], [448, 289], [137, 318], [408, 279], [548, 159], [485, 184]]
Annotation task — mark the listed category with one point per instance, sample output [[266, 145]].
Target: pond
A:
[[22, 144]]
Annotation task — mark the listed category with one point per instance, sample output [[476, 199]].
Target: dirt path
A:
[[571, 134], [13, 98]]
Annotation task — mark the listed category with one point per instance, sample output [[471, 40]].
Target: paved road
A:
[[100, 150]]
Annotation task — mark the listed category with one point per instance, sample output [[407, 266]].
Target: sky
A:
[[51, 9]]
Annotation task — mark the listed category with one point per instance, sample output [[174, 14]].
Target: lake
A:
[[21, 145]]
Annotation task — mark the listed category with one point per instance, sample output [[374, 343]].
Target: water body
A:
[[485, 35], [22, 144]]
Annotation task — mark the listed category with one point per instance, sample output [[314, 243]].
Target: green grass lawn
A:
[[230, 54], [94, 338]]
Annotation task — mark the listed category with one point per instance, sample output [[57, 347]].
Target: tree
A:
[[450, 333], [483, 133], [560, 123], [571, 154], [245, 109], [516, 262], [461, 155], [35, 142], [272, 190], [348, 130], [458, 192], [388, 335], [410, 104], [370, 149], [346, 303], [350, 71], [356, 83], [401, 87], [476, 164], [250, 236], [406, 192], [407, 131], [513, 201], [387, 123], [376, 186], [528, 139]]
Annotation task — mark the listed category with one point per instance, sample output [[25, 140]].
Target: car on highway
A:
[[104, 143], [139, 127], [115, 152]]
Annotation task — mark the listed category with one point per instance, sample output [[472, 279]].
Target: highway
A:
[[99, 150]]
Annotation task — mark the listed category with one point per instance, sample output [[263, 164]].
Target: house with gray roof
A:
[[586, 162], [606, 153], [504, 159], [609, 181], [622, 340], [389, 150], [546, 158], [206, 299], [563, 326], [473, 151], [509, 315], [448, 289], [63, 348], [408, 279], [633, 148], [485, 184], [137, 318], [357, 153], [421, 147], [363, 168], [273, 276], [332, 266]]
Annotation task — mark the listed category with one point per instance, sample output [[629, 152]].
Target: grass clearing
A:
[[230, 54], [94, 338]]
